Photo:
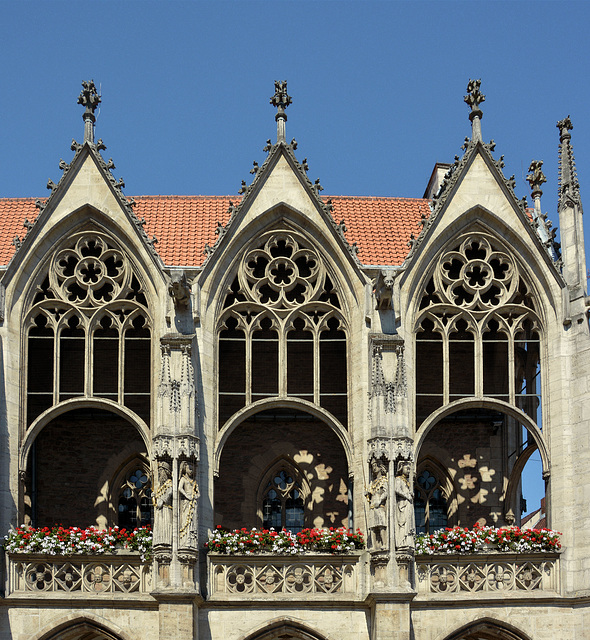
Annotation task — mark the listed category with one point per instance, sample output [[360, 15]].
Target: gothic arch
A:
[[271, 403], [280, 217], [484, 403], [487, 629], [285, 627], [74, 626], [479, 219], [445, 482], [515, 476], [28, 268], [69, 405]]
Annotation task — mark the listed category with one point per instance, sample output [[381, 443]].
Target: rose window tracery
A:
[[88, 327], [477, 330], [282, 313]]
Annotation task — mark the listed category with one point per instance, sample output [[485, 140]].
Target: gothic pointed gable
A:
[[282, 181], [476, 187], [86, 182]]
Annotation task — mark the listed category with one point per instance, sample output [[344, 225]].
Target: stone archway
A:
[[487, 629], [68, 462], [273, 439]]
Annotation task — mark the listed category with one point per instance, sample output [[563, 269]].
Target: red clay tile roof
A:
[[381, 227]]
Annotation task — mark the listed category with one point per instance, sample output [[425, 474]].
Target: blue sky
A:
[[377, 90]]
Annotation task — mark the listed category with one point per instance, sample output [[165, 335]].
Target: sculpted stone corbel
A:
[[384, 289], [179, 289]]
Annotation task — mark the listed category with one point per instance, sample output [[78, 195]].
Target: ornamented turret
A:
[[281, 100], [569, 208], [90, 99], [473, 99]]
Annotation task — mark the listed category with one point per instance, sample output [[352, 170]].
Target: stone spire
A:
[[473, 99], [90, 99], [569, 208], [569, 188], [281, 100]]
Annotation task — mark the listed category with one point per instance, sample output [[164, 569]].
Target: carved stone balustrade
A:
[[73, 575], [289, 577], [492, 573]]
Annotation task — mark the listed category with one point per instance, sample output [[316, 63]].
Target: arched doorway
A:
[[282, 467]]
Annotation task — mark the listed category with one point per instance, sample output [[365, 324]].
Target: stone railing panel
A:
[[266, 574], [490, 573], [77, 574]]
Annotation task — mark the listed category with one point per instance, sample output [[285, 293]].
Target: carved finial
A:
[[565, 126], [63, 165], [51, 185], [40, 204], [281, 100], [293, 144], [536, 177], [90, 99], [75, 146], [255, 167], [473, 99], [17, 242], [110, 164], [243, 188], [304, 165], [27, 225], [100, 145], [317, 187]]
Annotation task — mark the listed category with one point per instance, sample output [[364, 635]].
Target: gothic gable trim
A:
[[58, 192], [237, 213], [455, 177]]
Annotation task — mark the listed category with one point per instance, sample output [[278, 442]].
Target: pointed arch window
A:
[[430, 503], [134, 504], [283, 503], [282, 331], [88, 329], [477, 332]]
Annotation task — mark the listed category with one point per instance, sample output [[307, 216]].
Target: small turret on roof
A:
[[473, 99], [90, 99], [281, 100]]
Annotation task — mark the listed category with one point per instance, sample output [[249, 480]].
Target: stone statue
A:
[[162, 501], [377, 496], [188, 493], [404, 516]]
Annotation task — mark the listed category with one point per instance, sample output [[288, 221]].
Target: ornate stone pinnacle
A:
[[564, 126], [90, 99], [536, 178], [281, 100], [474, 98]]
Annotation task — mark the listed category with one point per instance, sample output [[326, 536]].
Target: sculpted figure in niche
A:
[[404, 531], [162, 500], [377, 496], [188, 493]]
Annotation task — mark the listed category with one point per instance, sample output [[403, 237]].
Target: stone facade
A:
[[282, 381]]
